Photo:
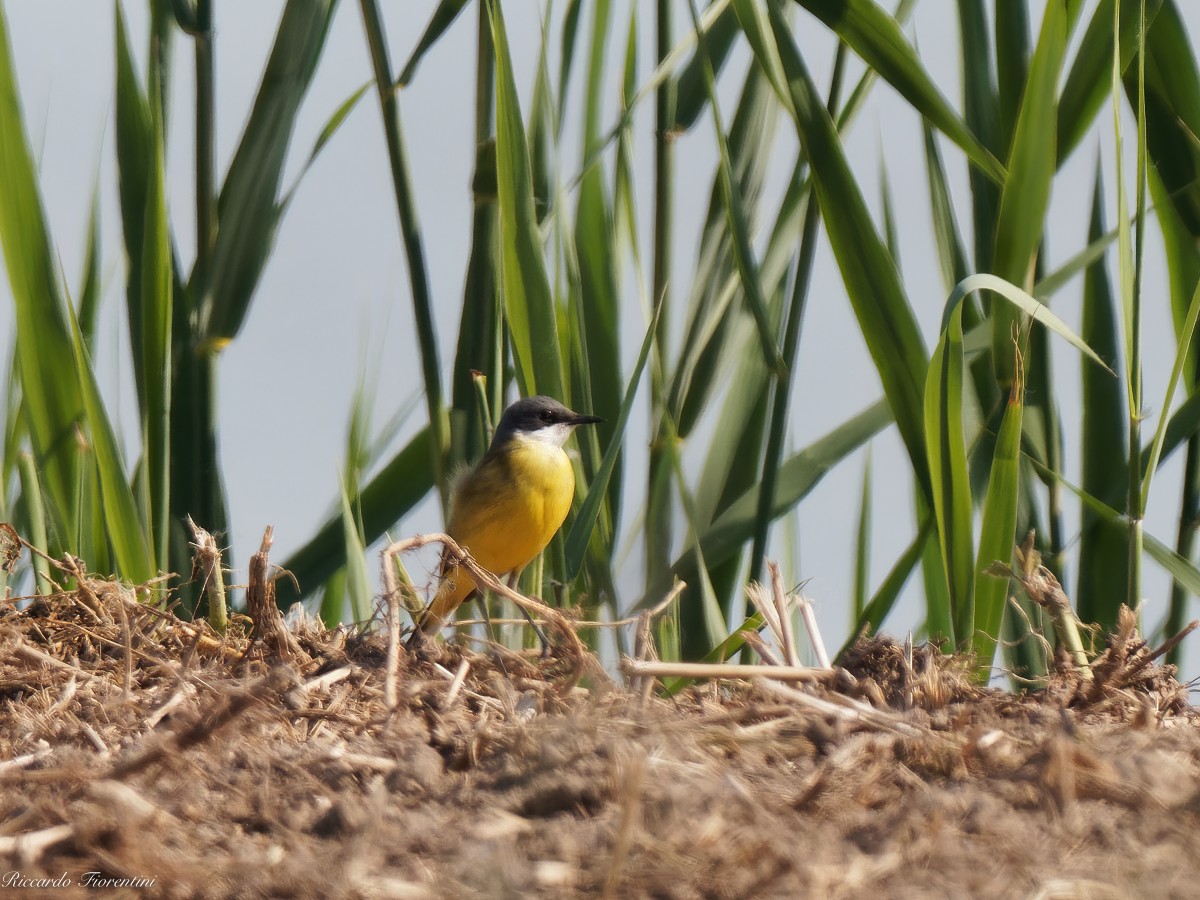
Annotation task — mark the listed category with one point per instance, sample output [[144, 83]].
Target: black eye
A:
[[546, 416]]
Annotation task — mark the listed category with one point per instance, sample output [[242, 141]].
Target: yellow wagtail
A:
[[506, 509]]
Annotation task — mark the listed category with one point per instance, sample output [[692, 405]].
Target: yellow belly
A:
[[505, 512]]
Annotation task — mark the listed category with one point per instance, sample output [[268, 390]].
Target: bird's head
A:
[[541, 419]]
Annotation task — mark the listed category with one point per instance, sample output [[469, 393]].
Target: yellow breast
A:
[[507, 510]]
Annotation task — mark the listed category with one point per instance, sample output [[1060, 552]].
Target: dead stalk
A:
[[206, 561], [727, 671], [260, 603]]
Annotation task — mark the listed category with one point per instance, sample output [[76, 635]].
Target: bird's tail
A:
[[456, 586]]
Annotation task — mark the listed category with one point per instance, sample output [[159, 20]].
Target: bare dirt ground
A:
[[170, 763]]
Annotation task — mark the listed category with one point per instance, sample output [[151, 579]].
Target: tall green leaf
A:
[[135, 153], [1012, 62], [798, 475], [998, 531], [1087, 83], [1103, 556], [888, 323], [528, 302], [876, 37], [1172, 110], [154, 349], [577, 538], [52, 400], [981, 108], [414, 248], [862, 542], [881, 603], [1026, 194], [443, 17], [247, 211], [739, 226], [947, 447], [398, 487], [126, 533], [598, 252]]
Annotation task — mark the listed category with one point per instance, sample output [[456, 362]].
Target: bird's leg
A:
[[481, 599], [513, 578]]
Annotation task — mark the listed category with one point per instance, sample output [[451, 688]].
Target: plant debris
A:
[[169, 760]]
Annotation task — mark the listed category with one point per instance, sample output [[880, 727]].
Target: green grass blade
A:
[[739, 224], [777, 427], [998, 533], [798, 475], [1026, 193], [1087, 84], [1103, 553], [981, 108], [358, 584], [939, 623], [414, 249], [660, 76], [876, 37], [1030, 306], [1129, 259], [881, 603], [154, 348], [443, 17], [597, 248], [398, 487], [659, 527], [1172, 109], [887, 320], [1185, 543], [692, 91], [1181, 358], [1181, 426], [947, 448], [527, 298], [862, 543], [126, 532], [567, 45], [1183, 264], [335, 121], [1012, 63], [52, 401], [891, 237], [1051, 283], [89, 288], [585, 520], [702, 623], [731, 456], [13, 432], [35, 512], [247, 212], [720, 337], [731, 459], [1182, 570], [135, 151], [951, 252], [480, 329], [1183, 267], [710, 321], [756, 28], [333, 599]]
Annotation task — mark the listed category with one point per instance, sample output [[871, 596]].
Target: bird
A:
[[507, 508]]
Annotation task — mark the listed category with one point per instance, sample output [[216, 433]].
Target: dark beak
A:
[[578, 419]]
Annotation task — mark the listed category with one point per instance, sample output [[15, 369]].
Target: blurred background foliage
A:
[[569, 254]]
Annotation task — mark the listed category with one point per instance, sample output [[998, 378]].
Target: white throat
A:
[[551, 434]]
